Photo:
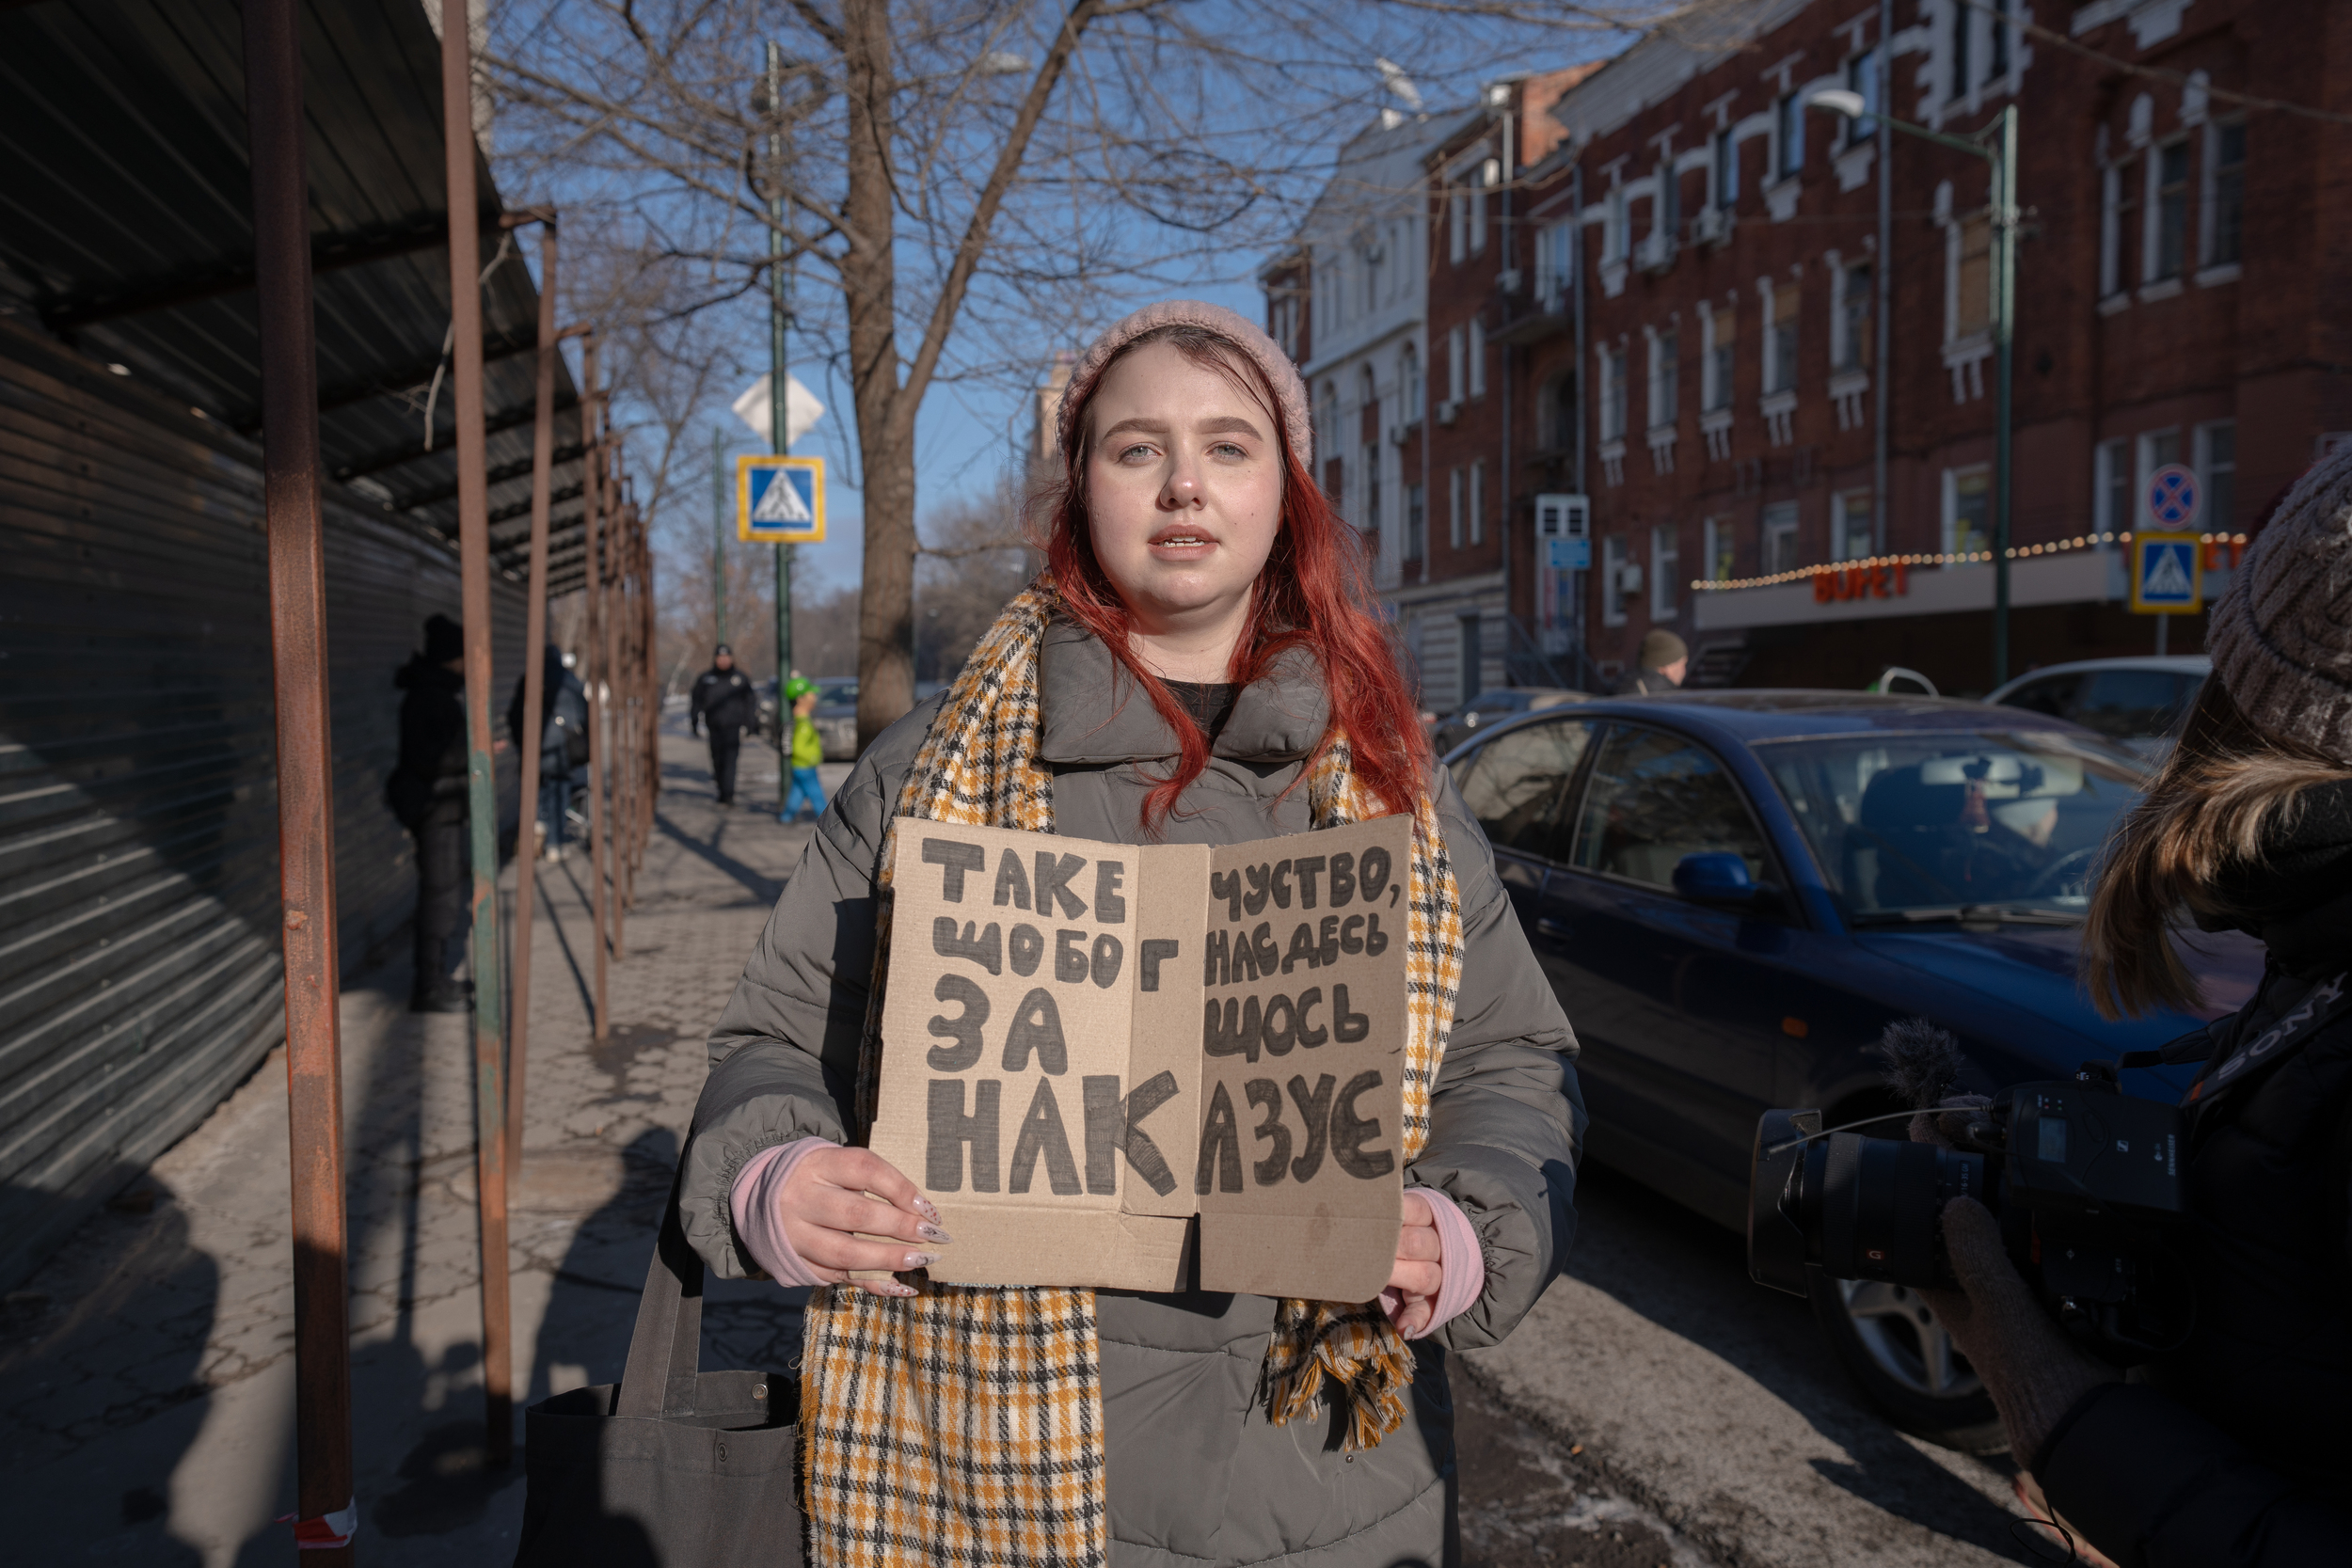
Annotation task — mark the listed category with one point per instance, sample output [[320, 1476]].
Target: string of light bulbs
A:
[[1947, 558]]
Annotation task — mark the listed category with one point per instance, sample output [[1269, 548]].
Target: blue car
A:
[[1735, 892]]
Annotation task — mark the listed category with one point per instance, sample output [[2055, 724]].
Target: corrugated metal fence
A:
[[140, 962]]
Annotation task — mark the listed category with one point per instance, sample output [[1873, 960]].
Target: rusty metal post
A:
[[592, 477], [473, 554], [534, 700], [609, 619], [306, 798]]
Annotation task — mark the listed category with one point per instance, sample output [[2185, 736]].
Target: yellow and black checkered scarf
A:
[[964, 1425]]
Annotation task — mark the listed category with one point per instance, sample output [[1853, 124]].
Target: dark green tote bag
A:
[[675, 1467]]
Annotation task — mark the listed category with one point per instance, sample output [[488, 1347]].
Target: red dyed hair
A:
[[1311, 594]]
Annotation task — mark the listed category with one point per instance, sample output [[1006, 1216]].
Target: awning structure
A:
[[126, 231]]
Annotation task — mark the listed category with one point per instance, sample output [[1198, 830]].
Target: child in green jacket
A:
[[808, 750]]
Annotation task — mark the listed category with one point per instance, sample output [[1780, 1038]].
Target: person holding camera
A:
[[2232, 1449]]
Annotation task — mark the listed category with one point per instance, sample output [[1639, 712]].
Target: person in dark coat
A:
[[2230, 1449], [562, 743], [427, 792], [723, 700], [1663, 662]]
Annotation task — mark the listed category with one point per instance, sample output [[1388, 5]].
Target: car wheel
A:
[[1887, 1339]]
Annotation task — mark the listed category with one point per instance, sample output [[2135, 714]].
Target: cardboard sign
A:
[[1151, 1067]]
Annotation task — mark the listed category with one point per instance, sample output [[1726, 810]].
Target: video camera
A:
[[2085, 1180]]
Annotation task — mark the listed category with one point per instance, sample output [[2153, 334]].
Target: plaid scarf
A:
[[964, 1425]]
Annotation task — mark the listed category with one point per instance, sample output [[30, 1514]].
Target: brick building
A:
[[1679, 314]]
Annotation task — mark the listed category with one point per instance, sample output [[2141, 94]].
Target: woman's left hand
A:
[[1417, 1273]]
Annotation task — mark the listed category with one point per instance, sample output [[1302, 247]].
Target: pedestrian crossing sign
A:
[[780, 500], [2165, 579]]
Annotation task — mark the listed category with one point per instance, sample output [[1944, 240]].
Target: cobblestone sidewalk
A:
[[145, 1372]]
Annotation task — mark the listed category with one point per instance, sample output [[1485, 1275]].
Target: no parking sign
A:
[[2173, 497]]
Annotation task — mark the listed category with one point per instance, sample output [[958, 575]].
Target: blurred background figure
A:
[[808, 750], [427, 792], [563, 728], [1663, 662], [724, 700]]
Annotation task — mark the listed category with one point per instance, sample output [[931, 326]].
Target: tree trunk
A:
[[885, 688]]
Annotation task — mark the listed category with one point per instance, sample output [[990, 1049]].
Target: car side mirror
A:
[[1720, 879]]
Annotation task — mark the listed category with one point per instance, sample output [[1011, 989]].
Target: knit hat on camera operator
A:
[[2281, 636]]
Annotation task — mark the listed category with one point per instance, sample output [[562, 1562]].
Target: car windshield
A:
[[1913, 827]]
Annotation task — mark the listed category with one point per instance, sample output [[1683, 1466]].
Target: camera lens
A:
[[1873, 1206]]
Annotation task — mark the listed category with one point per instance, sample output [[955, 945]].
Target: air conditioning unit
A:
[[1400, 433], [1510, 280], [1449, 410], [1710, 225], [1630, 578], [1654, 252]]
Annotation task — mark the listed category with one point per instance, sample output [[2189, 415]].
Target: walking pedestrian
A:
[[1662, 664], [427, 792], [808, 750], [1199, 661], [563, 745], [724, 700], [2228, 1448]]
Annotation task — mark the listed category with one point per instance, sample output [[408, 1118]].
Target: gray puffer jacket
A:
[[1196, 1473]]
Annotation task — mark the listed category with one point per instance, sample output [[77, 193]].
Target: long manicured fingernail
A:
[[895, 1289], [923, 1207], [933, 1233], [921, 1260]]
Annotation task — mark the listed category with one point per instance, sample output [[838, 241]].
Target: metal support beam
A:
[[599, 744], [305, 797], [535, 705], [473, 553]]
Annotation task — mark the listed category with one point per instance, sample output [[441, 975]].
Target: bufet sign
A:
[[1151, 1067]]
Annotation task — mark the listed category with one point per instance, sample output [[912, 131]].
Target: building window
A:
[[1722, 553], [1788, 137], [1724, 172], [2112, 478], [2225, 193], [1967, 510], [1972, 277], [2167, 244], [1613, 596], [1780, 537], [1454, 507], [1456, 352], [1612, 394], [1856, 537], [1478, 501], [1665, 570], [1372, 494], [2157, 449], [1997, 67], [1409, 378], [2216, 473], [1963, 27], [1555, 264], [2119, 214], [1862, 76], [1780, 344], [1486, 175], [1665, 376], [1415, 525], [1477, 360], [1718, 337], [1854, 317], [1665, 208], [1458, 224], [1614, 226]]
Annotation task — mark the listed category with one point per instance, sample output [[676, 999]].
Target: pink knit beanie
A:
[[1280, 373]]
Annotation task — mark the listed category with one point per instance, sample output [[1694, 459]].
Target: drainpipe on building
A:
[[1502, 526], [1578, 580], [1885, 356]]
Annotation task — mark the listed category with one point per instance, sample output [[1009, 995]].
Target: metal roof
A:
[[126, 231]]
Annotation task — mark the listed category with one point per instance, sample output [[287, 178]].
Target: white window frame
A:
[[2111, 470], [1453, 480], [1951, 504], [1723, 171], [1457, 225], [1861, 75], [1665, 376], [1412, 393], [2200, 446], [1718, 540], [1490, 173], [1781, 520], [1478, 501], [1612, 565], [1850, 507], [1610, 407], [1789, 126], [2111, 236], [1456, 349], [1665, 566], [1614, 227], [1477, 359], [2147, 458], [2151, 218], [2209, 195]]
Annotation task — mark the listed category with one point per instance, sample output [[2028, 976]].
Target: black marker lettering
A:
[[1311, 1035], [1070, 959], [1374, 873], [1308, 868], [1263, 1094], [1028, 947], [1042, 1133], [1013, 883], [1346, 1027], [1303, 949], [1376, 939], [1343, 878], [965, 1031], [1052, 884], [1105, 964], [985, 948], [1227, 885], [1279, 883], [1315, 1111], [1349, 940], [1253, 901], [950, 1129], [1220, 1140], [1279, 1040], [1350, 1132], [1109, 907], [1037, 1027], [956, 859], [1230, 1028], [1219, 963], [1155, 951]]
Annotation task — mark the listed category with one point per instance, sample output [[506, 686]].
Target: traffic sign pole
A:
[[778, 399]]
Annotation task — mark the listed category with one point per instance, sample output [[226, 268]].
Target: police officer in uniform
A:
[[723, 699]]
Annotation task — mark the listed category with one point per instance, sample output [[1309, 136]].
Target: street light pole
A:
[[719, 509], [1997, 145], [779, 430]]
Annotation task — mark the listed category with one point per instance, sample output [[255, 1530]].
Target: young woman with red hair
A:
[[1197, 663]]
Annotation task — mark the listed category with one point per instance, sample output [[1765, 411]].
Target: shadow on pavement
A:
[[765, 888]]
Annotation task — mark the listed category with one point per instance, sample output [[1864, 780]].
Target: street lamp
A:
[[1997, 144]]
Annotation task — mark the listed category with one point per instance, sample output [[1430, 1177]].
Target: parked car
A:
[[1735, 892], [2134, 701], [1490, 708], [836, 717]]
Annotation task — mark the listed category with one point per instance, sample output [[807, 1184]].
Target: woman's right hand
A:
[[837, 1207]]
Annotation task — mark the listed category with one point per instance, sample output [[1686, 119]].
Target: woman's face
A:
[[1184, 488]]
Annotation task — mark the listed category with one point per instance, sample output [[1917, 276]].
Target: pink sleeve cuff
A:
[[756, 1203], [1461, 1265]]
